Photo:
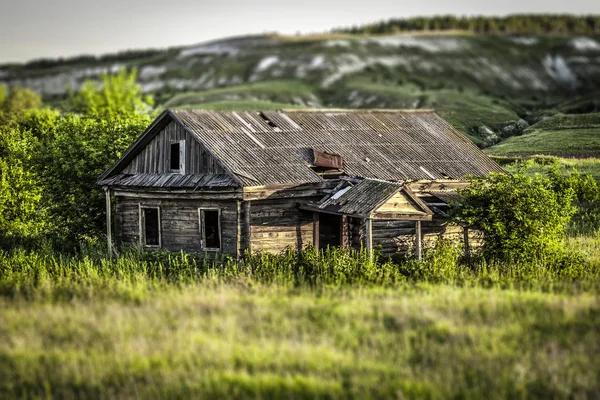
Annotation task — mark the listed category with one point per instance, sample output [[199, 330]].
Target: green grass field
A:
[[290, 326], [577, 134], [245, 341], [239, 105], [286, 93]]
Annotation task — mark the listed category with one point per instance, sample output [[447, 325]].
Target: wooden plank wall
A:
[[399, 236], [278, 224], [179, 222], [154, 158]]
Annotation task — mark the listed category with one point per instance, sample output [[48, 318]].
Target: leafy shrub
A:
[[522, 218]]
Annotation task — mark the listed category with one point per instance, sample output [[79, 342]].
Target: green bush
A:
[[522, 218]]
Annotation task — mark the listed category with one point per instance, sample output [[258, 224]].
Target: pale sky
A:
[[32, 29]]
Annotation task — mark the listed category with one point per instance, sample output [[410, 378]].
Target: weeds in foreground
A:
[[135, 274]]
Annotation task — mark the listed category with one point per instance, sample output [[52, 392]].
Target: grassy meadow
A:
[[147, 325], [562, 134]]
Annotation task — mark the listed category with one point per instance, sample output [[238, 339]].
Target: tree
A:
[[20, 188], [18, 100], [84, 144], [116, 96]]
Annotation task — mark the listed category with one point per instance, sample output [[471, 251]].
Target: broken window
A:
[[210, 229], [150, 226], [177, 157]]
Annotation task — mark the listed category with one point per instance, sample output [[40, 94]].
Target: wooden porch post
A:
[[369, 235], [108, 222], [247, 227], [316, 230], [418, 241], [466, 240], [238, 240]]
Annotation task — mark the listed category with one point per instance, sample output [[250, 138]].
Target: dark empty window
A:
[[151, 226], [330, 230], [176, 157], [210, 226]]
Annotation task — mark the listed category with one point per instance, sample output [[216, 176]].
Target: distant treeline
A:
[[513, 24]]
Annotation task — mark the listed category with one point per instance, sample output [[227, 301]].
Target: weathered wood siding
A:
[[179, 223], [399, 236], [155, 157], [279, 224]]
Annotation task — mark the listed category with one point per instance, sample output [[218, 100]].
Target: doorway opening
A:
[[330, 230]]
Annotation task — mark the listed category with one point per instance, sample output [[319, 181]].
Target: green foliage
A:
[[559, 134], [20, 188], [69, 165], [49, 162], [521, 217], [511, 24], [159, 324], [16, 101], [116, 96]]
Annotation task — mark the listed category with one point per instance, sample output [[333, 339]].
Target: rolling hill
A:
[[491, 87]]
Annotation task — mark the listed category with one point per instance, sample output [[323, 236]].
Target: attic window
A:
[[177, 157], [269, 122]]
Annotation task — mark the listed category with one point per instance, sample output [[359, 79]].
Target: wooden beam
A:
[[369, 235], [238, 238], [418, 241], [467, 250], [248, 231], [108, 223], [316, 230], [344, 231], [402, 217], [142, 194], [287, 191]]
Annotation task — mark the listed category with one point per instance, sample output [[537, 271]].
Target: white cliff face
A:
[[558, 69], [584, 44]]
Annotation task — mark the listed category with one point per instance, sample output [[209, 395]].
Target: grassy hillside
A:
[[577, 135], [484, 84]]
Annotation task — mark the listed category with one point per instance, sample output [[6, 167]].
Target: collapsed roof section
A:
[[375, 199]]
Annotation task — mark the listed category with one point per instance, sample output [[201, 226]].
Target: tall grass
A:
[[330, 324], [136, 274]]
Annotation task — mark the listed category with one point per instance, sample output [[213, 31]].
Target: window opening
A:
[[210, 229], [151, 226], [177, 157]]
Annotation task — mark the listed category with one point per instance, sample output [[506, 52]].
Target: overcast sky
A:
[[31, 29]]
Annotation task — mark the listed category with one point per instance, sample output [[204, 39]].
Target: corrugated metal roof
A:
[[170, 181], [360, 199], [382, 144]]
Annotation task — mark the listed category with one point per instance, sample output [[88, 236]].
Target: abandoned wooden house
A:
[[226, 181]]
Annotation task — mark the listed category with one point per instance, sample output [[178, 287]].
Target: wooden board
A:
[[155, 157], [279, 224], [180, 226]]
